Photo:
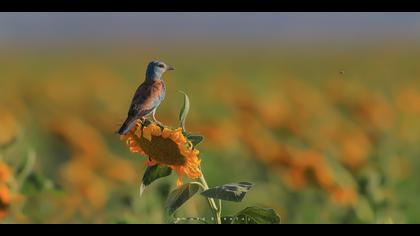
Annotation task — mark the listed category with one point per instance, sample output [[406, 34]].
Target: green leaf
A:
[[226, 219], [364, 211], [153, 173], [340, 173], [195, 139], [229, 192], [147, 122], [36, 182], [256, 215], [184, 110], [189, 220], [179, 196]]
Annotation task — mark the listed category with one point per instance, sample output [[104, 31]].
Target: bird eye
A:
[[161, 65]]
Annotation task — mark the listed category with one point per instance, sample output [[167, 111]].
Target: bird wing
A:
[[146, 98]]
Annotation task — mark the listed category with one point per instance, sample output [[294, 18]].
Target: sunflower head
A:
[[165, 146], [8, 129], [5, 200], [4, 172]]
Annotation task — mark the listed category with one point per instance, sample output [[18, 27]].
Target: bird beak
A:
[[170, 68]]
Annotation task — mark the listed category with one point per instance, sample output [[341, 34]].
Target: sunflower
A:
[[4, 173], [166, 147], [344, 196], [5, 199], [8, 129]]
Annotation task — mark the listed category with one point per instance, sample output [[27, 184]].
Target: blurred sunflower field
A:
[[325, 138], [326, 135]]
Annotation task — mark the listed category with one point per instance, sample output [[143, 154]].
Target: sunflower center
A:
[[162, 150]]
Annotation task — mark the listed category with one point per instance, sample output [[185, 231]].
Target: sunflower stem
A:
[[27, 169], [216, 211]]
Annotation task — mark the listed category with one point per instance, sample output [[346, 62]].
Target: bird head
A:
[[155, 69]]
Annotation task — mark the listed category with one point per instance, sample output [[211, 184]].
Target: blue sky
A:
[[19, 29]]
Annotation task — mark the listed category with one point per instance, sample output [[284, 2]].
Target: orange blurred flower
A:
[[313, 161], [167, 147], [5, 199], [275, 110], [306, 158], [79, 135], [81, 179], [296, 178], [119, 170], [355, 148], [344, 196], [88, 175], [374, 109], [8, 128], [408, 100], [4, 172], [221, 133], [323, 175]]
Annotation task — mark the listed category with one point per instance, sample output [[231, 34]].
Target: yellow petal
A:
[[175, 136], [184, 150], [147, 133], [138, 132], [166, 133], [179, 181], [181, 140], [156, 131]]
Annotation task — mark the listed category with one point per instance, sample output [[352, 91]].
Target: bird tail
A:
[[126, 126]]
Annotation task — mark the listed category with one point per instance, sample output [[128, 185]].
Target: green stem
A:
[[27, 169], [216, 211]]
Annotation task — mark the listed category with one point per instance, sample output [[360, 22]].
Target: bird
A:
[[148, 96]]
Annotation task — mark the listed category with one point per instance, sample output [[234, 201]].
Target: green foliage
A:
[[296, 108], [184, 111], [256, 215], [153, 173], [195, 139], [229, 192], [234, 192], [36, 182], [190, 220], [179, 196]]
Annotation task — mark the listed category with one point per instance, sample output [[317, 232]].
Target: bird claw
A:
[[156, 121], [159, 123]]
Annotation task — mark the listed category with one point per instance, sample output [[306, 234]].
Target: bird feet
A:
[[156, 121]]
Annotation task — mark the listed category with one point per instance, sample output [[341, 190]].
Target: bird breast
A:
[[158, 89]]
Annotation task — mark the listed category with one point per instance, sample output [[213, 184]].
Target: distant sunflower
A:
[[5, 200], [4, 173], [8, 129], [167, 147]]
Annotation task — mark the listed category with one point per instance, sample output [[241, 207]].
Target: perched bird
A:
[[148, 96]]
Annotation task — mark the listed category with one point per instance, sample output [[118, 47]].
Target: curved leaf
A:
[[153, 173], [229, 192], [189, 220], [195, 139], [184, 110], [179, 196], [256, 215]]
